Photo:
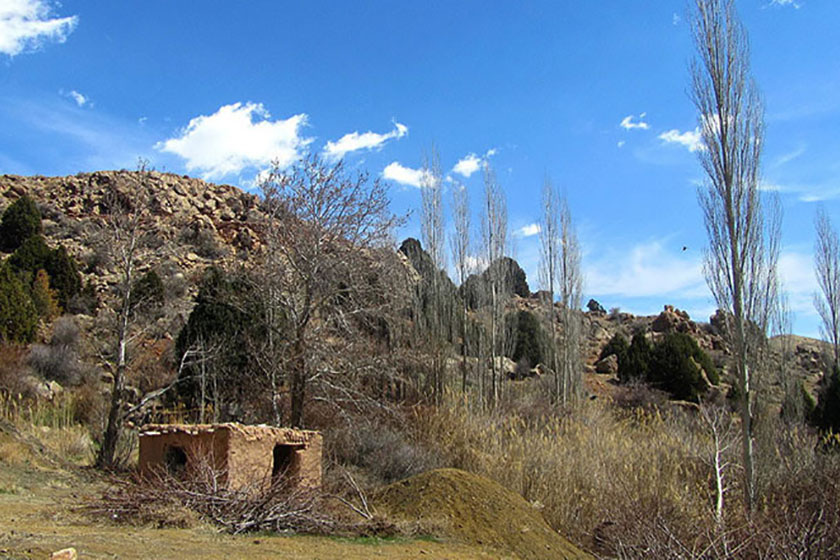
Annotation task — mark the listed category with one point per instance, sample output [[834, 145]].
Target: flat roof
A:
[[249, 431]]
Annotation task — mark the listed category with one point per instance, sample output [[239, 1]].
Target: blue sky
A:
[[592, 94]]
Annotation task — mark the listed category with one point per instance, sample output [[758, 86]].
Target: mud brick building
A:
[[243, 456]]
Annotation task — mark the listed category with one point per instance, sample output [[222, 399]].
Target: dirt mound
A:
[[477, 510]]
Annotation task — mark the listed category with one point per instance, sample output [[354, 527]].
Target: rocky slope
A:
[[194, 224]]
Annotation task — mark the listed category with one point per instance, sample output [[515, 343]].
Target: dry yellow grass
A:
[[593, 468]]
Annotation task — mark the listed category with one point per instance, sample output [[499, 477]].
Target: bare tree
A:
[[460, 241], [328, 225], [124, 225], [571, 288], [740, 263], [718, 422], [494, 237], [827, 265], [560, 269], [549, 256], [432, 233]]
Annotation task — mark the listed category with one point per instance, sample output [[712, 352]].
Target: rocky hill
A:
[[191, 225], [195, 224]]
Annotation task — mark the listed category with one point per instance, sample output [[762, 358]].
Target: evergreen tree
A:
[[34, 255], [18, 317], [20, 221], [827, 413], [637, 360], [677, 364], [64, 275], [528, 337], [617, 345]]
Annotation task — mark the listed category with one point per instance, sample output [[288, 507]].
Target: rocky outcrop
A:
[[672, 320], [190, 223]]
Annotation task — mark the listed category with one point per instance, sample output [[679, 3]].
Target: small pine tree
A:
[[528, 337], [20, 221], [637, 360], [18, 317], [34, 254], [677, 367], [64, 275], [31, 256], [617, 345]]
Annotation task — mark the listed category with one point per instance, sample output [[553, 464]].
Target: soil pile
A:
[[477, 510]]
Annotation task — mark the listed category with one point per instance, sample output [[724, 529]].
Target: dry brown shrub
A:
[[13, 370], [164, 500]]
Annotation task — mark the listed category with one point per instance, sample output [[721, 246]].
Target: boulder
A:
[[608, 364], [64, 554], [672, 320]]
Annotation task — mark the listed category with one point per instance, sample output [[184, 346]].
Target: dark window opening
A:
[[283, 457], [175, 460]]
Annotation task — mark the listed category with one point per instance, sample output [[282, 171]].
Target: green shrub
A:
[[617, 345], [227, 320], [64, 275], [637, 359], [674, 365], [34, 254], [827, 413], [31, 256], [677, 365], [528, 337], [20, 221], [18, 316]]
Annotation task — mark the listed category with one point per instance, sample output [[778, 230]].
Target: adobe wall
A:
[[202, 447], [252, 455], [244, 454]]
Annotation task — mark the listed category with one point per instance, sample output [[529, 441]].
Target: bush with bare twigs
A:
[[164, 500]]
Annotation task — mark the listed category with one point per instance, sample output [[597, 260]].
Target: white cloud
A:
[[621, 143], [398, 173], [628, 124], [231, 139], [690, 138], [528, 230], [468, 165], [675, 19], [365, 141], [788, 157], [804, 193], [25, 25], [471, 163], [784, 3], [475, 263], [647, 270], [79, 99], [796, 271]]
